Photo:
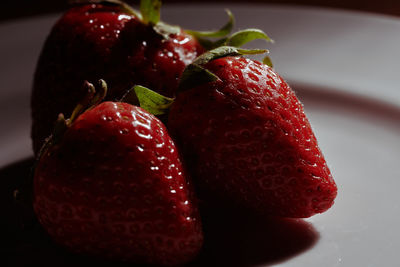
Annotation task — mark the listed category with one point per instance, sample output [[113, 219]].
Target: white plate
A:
[[345, 67]]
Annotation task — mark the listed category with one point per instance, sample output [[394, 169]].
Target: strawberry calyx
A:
[[195, 74], [267, 61], [91, 99], [225, 51], [237, 39], [148, 99]]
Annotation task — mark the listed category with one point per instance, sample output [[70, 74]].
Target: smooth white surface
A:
[[345, 67]]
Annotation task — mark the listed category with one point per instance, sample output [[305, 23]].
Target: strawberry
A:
[[248, 138], [110, 40], [110, 184]]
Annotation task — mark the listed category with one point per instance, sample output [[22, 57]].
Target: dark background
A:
[[25, 8]]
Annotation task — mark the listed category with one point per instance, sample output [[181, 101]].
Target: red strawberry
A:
[[248, 138], [107, 41], [113, 186]]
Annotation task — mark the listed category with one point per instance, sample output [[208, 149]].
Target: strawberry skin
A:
[[96, 41], [114, 187], [247, 138]]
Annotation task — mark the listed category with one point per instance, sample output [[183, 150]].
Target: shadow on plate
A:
[[339, 101], [233, 236]]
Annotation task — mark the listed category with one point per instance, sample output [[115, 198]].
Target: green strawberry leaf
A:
[[267, 61], [209, 44], [244, 36], [252, 51], [224, 51], [225, 30], [151, 101], [150, 10], [194, 75]]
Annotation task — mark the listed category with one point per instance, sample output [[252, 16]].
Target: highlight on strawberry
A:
[[110, 183]]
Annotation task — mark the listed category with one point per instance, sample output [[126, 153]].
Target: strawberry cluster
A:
[[183, 113]]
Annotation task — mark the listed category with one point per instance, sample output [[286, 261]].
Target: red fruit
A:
[[114, 187], [248, 138], [96, 41]]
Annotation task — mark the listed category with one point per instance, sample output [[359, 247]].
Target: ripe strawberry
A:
[[113, 186], [247, 137], [105, 40]]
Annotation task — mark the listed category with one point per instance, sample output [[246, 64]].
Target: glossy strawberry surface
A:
[[96, 41], [247, 138], [114, 187]]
